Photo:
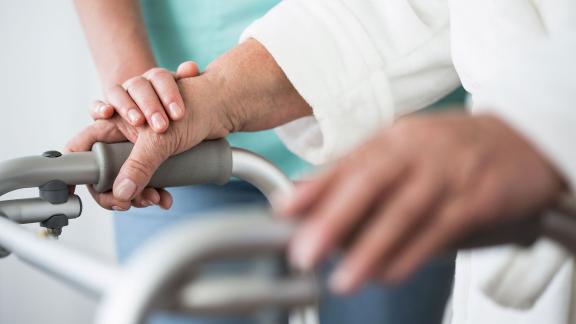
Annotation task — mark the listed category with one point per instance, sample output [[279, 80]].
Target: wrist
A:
[[209, 105], [255, 92]]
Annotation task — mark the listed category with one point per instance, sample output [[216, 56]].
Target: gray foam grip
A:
[[208, 162]]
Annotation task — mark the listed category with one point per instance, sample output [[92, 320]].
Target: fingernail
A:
[[102, 109], [175, 110], [158, 121], [133, 115], [146, 203], [302, 256], [169, 205], [155, 200], [341, 281], [125, 190], [116, 208]]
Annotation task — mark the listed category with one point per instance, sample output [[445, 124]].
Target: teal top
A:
[[201, 30]]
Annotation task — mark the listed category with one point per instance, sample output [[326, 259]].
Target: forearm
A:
[[117, 38], [250, 87]]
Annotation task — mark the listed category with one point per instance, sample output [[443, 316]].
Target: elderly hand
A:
[[412, 190], [243, 90], [206, 121], [149, 98]]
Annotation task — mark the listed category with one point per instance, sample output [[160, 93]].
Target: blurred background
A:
[[47, 82]]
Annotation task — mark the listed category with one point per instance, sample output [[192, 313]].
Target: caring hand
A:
[[153, 98], [414, 189]]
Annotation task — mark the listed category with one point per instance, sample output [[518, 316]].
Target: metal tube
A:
[[148, 276], [71, 266], [34, 171], [34, 210], [261, 173], [274, 184], [246, 294], [153, 272]]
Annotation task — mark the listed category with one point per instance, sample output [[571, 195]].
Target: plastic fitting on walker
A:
[[54, 206]]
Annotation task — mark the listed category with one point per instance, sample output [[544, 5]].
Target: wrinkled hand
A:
[[414, 189], [199, 122], [242, 90]]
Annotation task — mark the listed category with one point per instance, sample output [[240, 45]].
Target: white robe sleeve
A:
[[358, 63]]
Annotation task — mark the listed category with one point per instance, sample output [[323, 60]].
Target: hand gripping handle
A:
[[208, 162]]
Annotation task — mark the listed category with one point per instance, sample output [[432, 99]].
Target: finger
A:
[[101, 110], [125, 106], [106, 200], [187, 69], [392, 222], [147, 198], [304, 195], [166, 199], [144, 95], [446, 227], [99, 131], [136, 172], [340, 209], [167, 90]]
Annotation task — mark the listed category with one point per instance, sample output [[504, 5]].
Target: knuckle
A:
[[150, 107], [156, 72], [110, 91], [138, 168], [449, 223], [406, 209], [134, 82], [113, 90], [460, 217], [102, 127], [172, 96]]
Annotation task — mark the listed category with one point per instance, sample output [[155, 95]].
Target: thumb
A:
[[187, 69], [139, 168]]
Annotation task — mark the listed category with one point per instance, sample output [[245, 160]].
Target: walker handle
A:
[[208, 162]]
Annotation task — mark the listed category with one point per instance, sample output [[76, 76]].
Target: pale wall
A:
[[47, 82]]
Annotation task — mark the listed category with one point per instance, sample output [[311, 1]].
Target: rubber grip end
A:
[[209, 162]]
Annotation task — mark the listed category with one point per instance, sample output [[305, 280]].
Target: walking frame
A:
[[161, 275]]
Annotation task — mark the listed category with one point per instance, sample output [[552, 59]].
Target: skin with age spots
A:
[[414, 189], [243, 90]]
